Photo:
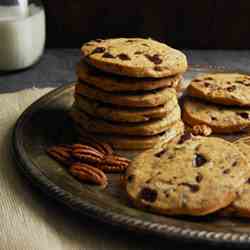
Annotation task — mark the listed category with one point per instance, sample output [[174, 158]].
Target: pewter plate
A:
[[46, 123]]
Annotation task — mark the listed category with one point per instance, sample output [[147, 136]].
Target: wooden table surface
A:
[[57, 68]]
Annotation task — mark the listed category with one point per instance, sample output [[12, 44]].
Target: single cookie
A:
[[224, 88], [121, 114], [240, 207], [172, 134], [197, 177], [220, 119], [135, 57], [116, 83], [150, 98], [91, 124]]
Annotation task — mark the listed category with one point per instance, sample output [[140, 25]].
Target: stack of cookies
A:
[[126, 92], [221, 101]]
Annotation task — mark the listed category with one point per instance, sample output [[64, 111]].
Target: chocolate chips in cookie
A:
[[196, 177], [222, 88], [135, 57]]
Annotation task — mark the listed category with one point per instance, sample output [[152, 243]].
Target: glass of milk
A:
[[22, 33]]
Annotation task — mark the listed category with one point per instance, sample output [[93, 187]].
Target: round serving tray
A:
[[46, 123]]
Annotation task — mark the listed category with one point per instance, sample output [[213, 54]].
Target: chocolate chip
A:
[[107, 55], [98, 50], [159, 154], [248, 181], [185, 137], [214, 118], [166, 194], [226, 171], [123, 57], [199, 177], [231, 88], [158, 68], [206, 84], [193, 187], [130, 178], [155, 58], [196, 80], [148, 194], [149, 180], [138, 52], [199, 160], [243, 115], [234, 164]]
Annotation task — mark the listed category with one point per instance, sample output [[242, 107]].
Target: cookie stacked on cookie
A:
[[126, 92], [222, 102]]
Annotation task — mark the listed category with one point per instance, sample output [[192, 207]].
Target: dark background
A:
[[199, 24]]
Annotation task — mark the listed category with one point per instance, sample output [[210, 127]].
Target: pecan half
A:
[[87, 153], [114, 164], [100, 146], [89, 174], [61, 153], [116, 160], [111, 169]]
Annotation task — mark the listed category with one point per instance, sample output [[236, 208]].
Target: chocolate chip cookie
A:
[[150, 98], [126, 142], [134, 57], [223, 88], [197, 177], [124, 114], [116, 83], [91, 124], [220, 119], [240, 207]]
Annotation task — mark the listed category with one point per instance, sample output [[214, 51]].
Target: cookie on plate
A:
[[126, 142], [240, 207], [116, 83], [124, 114], [134, 57], [91, 124], [197, 177], [223, 88], [220, 119], [150, 98]]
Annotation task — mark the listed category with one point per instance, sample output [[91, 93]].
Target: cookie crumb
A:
[[201, 129]]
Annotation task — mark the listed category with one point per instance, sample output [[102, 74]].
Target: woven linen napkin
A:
[[31, 221]]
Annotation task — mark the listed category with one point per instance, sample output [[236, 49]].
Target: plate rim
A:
[[84, 207]]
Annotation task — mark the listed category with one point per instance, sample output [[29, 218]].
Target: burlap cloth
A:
[[28, 219]]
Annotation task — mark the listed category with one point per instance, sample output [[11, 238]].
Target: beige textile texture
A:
[[31, 221]]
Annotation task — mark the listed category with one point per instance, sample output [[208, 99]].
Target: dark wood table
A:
[[56, 68]]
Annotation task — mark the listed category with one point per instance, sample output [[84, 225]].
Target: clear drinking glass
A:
[[22, 33]]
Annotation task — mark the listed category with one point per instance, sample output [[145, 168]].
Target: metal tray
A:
[[46, 123]]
